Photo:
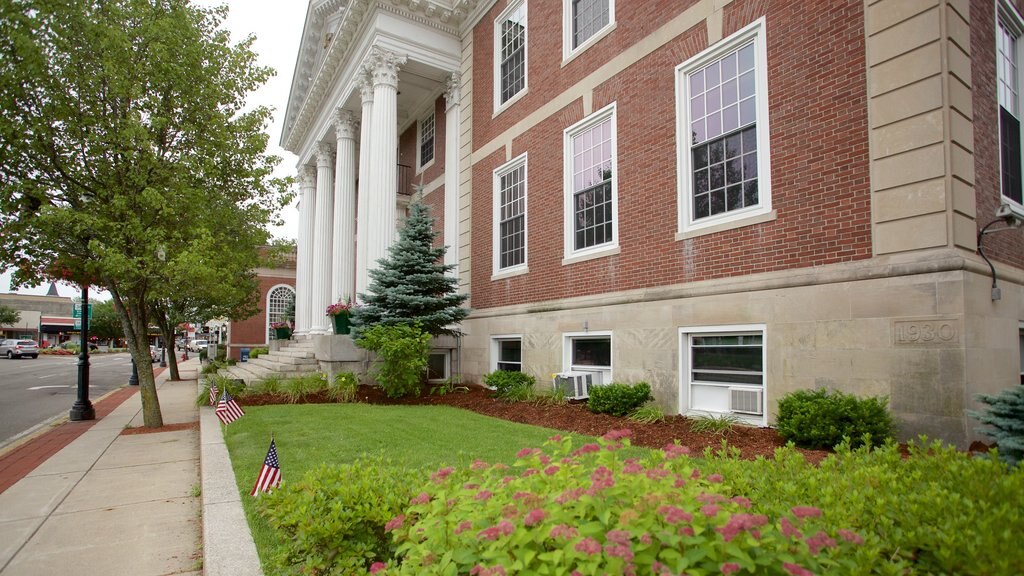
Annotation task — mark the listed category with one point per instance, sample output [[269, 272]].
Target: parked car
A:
[[154, 353], [197, 345], [76, 346], [14, 348]]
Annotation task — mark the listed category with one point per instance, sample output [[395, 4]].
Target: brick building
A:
[[730, 200], [277, 293]]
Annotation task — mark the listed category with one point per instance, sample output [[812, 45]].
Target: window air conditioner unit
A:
[[575, 385], [746, 400]]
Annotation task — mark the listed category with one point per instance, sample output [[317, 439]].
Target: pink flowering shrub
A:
[[336, 519], [597, 513]]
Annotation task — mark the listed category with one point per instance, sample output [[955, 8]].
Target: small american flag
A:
[[227, 409], [213, 394], [270, 474]]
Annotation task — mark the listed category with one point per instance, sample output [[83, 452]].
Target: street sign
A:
[[78, 323], [76, 311]]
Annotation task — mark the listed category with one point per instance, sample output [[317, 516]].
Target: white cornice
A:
[[312, 83]]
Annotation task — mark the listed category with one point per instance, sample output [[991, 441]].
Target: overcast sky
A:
[[277, 25]]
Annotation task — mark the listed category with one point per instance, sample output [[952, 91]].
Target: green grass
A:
[[308, 435]]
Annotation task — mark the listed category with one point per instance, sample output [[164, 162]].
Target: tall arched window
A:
[[280, 306]]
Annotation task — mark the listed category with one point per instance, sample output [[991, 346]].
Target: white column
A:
[[320, 323], [344, 256], [383, 68], [452, 97], [363, 220], [304, 262]]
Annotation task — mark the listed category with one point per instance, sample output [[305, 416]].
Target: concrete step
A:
[[289, 353], [285, 367]]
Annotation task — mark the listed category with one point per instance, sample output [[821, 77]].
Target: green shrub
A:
[[504, 380], [938, 511], [343, 387], [234, 386], [618, 399], [298, 387], [647, 414], [1005, 418], [332, 520], [821, 419], [402, 353], [257, 352], [269, 385], [563, 510], [709, 424]]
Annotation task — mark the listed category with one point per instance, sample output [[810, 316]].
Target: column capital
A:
[[324, 155], [345, 124], [383, 65], [365, 88], [307, 176], [453, 90]]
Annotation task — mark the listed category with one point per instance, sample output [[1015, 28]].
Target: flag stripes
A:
[[227, 409], [270, 474]]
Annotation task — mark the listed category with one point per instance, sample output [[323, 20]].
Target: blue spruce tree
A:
[[412, 285]]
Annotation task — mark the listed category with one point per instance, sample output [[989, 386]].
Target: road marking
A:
[[61, 386], [49, 376]]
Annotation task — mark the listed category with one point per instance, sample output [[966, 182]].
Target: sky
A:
[[277, 25]]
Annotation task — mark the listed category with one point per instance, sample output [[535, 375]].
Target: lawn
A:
[[308, 435]]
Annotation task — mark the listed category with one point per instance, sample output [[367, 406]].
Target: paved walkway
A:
[[88, 497]]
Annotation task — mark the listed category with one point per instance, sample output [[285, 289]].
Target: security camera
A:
[[1006, 212]]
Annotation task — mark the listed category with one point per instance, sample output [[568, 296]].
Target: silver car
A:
[[18, 348]]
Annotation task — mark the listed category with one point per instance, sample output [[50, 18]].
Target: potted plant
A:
[[341, 312], [282, 331]]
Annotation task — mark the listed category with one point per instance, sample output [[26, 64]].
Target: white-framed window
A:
[[722, 140], [1009, 30], [591, 208], [588, 352], [1020, 336], [425, 150], [584, 22], [280, 306], [722, 371], [439, 365], [510, 54], [509, 245], [507, 352]]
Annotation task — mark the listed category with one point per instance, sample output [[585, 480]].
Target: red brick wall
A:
[[408, 144], [253, 331], [1007, 247], [818, 122]]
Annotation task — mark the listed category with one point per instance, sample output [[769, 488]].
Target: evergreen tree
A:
[[1005, 416], [412, 284]]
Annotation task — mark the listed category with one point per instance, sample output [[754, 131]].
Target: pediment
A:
[[329, 31]]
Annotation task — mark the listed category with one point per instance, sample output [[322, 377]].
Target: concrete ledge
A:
[[228, 548]]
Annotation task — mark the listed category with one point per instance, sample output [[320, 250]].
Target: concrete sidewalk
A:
[[112, 503]]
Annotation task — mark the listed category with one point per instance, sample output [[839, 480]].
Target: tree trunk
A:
[[167, 333], [132, 312]]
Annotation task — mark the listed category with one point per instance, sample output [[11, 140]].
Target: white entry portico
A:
[[365, 70]]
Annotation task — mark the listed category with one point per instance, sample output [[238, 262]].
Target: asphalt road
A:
[[35, 391]]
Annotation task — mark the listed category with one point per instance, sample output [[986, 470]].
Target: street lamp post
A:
[[82, 409]]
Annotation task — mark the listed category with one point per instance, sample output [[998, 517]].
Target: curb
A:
[[228, 547]]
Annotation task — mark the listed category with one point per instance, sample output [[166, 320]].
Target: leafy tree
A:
[[8, 315], [412, 285], [105, 323], [125, 155]]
